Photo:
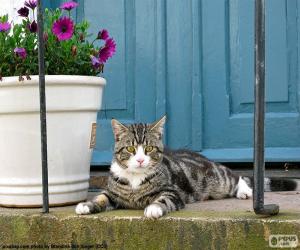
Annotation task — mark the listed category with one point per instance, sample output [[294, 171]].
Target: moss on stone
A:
[[127, 229]]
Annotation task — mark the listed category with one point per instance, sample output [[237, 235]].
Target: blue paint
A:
[[197, 98], [276, 54], [145, 61], [179, 70], [276, 154], [193, 60]]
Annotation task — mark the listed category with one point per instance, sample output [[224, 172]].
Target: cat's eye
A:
[[130, 149], [148, 149]]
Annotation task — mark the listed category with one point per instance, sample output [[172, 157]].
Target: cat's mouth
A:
[[138, 168], [141, 165]]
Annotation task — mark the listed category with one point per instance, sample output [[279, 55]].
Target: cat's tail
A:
[[275, 184], [245, 185]]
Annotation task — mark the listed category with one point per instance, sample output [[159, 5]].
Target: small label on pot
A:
[[93, 135]]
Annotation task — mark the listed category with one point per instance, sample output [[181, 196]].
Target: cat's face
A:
[[138, 147]]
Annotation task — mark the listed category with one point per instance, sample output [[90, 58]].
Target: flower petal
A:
[[63, 28]]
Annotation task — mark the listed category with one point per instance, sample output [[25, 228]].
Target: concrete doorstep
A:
[[213, 224]]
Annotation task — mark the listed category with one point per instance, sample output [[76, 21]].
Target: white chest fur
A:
[[134, 178]]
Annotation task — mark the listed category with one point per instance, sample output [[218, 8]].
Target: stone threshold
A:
[[213, 224]]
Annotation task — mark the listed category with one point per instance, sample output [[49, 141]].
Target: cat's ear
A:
[[118, 128], [158, 126]]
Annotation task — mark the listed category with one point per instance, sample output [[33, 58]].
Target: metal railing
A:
[[41, 55], [259, 117]]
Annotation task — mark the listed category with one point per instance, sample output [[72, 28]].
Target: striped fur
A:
[[144, 175]]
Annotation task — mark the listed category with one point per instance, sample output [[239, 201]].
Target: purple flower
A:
[[95, 62], [21, 52], [103, 35], [5, 26], [24, 12], [108, 50], [31, 4], [63, 28], [33, 27], [68, 5]]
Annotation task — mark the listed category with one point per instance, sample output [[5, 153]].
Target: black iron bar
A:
[[259, 116], [41, 57]]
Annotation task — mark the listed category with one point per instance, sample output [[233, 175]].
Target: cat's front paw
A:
[[153, 211], [83, 208]]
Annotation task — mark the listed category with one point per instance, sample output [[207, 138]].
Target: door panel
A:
[[146, 79], [184, 98], [242, 29], [229, 79], [194, 61]]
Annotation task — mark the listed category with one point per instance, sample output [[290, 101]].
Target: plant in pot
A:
[[73, 95]]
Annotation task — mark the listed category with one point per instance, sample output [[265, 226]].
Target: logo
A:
[[283, 240]]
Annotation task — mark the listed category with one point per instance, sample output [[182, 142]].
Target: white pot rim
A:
[[53, 80]]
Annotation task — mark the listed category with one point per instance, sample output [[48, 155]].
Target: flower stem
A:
[[94, 41]]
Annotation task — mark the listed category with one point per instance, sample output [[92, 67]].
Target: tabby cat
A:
[[144, 175]]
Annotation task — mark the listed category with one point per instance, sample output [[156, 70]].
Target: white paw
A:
[[153, 211], [81, 208], [244, 191]]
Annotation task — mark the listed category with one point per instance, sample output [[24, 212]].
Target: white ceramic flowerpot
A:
[[72, 106]]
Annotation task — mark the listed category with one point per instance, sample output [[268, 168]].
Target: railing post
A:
[[41, 57], [259, 116]]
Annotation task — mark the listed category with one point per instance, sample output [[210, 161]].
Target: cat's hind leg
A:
[[100, 203]]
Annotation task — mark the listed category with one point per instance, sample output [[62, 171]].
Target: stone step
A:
[[222, 224]]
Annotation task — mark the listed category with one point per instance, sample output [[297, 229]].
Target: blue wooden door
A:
[[228, 77], [193, 60]]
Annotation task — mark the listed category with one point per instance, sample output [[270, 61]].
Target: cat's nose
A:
[[140, 161]]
